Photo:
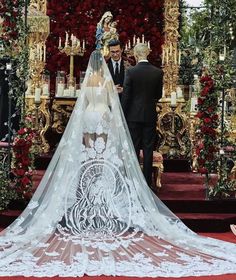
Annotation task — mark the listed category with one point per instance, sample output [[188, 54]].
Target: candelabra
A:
[[73, 49], [129, 47]]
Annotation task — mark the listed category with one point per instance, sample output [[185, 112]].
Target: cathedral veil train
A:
[[93, 212]]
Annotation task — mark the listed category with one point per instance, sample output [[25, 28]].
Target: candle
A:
[[179, 92], [126, 47], [59, 44], [173, 98], [163, 92], [37, 95], [78, 43], [179, 57], [45, 89], [67, 37], [60, 89], [71, 91], [163, 56], [221, 57], [83, 44], [134, 40], [194, 104], [66, 93], [44, 53], [142, 38], [148, 44], [138, 40], [129, 44]]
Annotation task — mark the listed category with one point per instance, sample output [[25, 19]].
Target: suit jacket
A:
[[120, 79], [142, 90]]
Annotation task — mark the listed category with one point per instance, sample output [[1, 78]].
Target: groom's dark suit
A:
[[119, 79], [142, 90]]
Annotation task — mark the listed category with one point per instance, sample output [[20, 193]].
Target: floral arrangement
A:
[[208, 148], [23, 160], [13, 44], [81, 18]]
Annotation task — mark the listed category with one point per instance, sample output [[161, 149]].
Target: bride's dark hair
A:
[[96, 60]]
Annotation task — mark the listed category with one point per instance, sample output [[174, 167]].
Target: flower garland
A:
[[23, 160], [207, 150]]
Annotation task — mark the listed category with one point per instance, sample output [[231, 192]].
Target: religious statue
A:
[[106, 31]]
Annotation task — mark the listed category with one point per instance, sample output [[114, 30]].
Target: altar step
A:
[[183, 192]]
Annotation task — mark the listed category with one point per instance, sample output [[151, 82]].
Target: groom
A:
[[142, 90], [116, 65]]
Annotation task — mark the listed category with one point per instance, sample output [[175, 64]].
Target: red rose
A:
[[20, 172], [25, 181], [207, 120]]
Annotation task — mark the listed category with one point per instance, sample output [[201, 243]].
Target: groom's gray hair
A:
[[141, 50]]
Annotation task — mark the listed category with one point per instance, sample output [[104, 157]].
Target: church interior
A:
[[45, 46]]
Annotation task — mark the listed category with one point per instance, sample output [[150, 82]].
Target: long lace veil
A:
[[93, 212]]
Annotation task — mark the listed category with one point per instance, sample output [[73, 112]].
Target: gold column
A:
[[170, 52], [39, 29]]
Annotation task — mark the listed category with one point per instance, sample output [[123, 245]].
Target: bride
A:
[[93, 212]]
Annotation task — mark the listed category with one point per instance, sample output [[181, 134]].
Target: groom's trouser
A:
[[143, 135]]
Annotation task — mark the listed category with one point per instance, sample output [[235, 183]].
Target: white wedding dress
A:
[[93, 212]]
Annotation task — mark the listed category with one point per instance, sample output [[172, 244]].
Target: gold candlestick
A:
[[72, 50]]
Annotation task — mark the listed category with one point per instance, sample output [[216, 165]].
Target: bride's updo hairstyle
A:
[[96, 60]]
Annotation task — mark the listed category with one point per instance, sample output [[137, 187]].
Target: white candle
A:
[[148, 44], [179, 92], [126, 47], [45, 89], [129, 44], [221, 57], [83, 44], [59, 44], [138, 40], [67, 37], [194, 104], [44, 53], [179, 57], [60, 89], [66, 93], [173, 98], [142, 38], [71, 91], [37, 95], [163, 56], [78, 43], [134, 40]]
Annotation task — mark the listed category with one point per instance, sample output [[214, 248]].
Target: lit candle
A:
[[173, 98], [37, 95]]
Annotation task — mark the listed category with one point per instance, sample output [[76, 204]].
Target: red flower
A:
[[25, 181], [203, 170]]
